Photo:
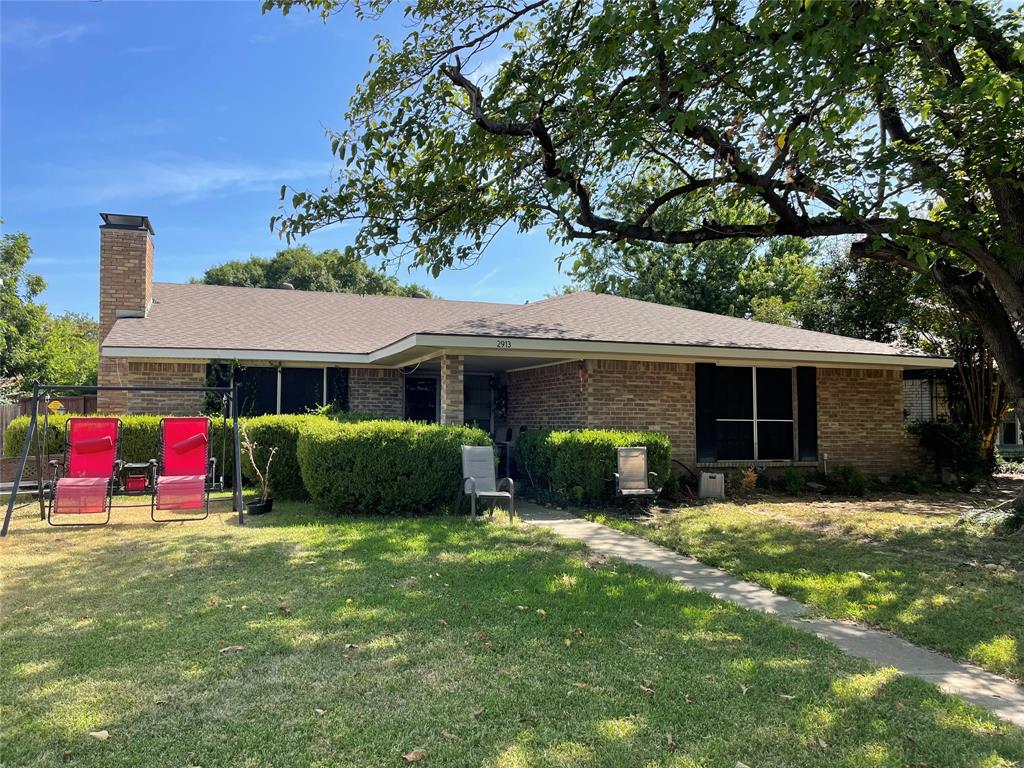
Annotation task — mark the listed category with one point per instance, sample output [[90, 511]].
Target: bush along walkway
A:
[[973, 684]]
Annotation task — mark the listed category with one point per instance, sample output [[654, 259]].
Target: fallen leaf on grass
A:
[[567, 642], [744, 689], [786, 696], [669, 741], [645, 689], [285, 609], [822, 743], [442, 622], [232, 649], [450, 736], [741, 765], [638, 624], [320, 712], [100, 735], [578, 632], [477, 712], [581, 685], [523, 607], [542, 613], [350, 646], [415, 756]]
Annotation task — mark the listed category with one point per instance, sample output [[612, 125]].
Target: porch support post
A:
[[452, 394]]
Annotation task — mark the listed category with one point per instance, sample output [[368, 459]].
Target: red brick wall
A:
[[453, 393], [126, 283], [860, 421], [123, 372], [550, 398], [377, 390], [635, 395]]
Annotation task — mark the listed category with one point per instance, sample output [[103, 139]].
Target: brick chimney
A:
[[126, 290]]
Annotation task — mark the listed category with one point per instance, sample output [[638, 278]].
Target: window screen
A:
[[337, 388], [257, 390], [734, 392], [745, 426], [302, 389], [477, 401]]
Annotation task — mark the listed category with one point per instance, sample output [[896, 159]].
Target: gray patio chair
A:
[[478, 480], [633, 479]]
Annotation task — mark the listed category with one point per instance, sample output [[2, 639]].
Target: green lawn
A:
[[303, 640], [902, 564]]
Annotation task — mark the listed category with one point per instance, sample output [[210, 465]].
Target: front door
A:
[[420, 398]]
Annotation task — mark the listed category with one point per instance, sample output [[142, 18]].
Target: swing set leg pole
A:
[[237, 495], [21, 464]]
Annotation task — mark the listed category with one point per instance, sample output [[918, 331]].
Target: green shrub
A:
[[849, 480], [281, 432], [956, 447], [578, 465], [384, 467], [530, 454], [793, 481], [140, 438]]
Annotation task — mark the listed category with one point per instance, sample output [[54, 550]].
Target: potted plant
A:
[[264, 502]]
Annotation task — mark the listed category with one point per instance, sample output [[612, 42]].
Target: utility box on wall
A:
[[711, 485]]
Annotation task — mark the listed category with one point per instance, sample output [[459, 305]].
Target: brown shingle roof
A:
[[587, 316], [197, 316]]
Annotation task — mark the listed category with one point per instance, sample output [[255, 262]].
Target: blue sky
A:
[[193, 113]]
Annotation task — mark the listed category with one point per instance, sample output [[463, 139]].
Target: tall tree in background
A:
[[607, 121], [306, 270], [35, 345]]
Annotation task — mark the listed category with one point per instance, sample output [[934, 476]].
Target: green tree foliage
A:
[[306, 270], [636, 120], [35, 345], [731, 277]]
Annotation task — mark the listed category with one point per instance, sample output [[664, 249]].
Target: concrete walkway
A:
[[971, 683]]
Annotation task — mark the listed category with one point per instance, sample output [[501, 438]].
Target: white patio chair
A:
[[633, 479], [478, 480]]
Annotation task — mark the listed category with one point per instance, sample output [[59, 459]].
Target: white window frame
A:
[[793, 420]]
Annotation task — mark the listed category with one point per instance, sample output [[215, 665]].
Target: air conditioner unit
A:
[[711, 485]]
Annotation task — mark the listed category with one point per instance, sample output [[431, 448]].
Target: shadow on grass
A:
[[930, 585], [362, 640]]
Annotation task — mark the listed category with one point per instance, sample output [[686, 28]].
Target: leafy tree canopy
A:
[[636, 120], [35, 345], [306, 270]]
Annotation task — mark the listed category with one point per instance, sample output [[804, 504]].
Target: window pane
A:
[[1009, 432], [774, 440], [774, 393], [735, 440], [476, 392], [257, 390], [302, 389], [420, 398], [734, 394], [337, 388]]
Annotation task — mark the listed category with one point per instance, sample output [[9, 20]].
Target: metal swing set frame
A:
[[46, 491]]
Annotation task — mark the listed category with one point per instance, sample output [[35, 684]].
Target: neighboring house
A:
[[925, 396], [727, 391], [1010, 440]]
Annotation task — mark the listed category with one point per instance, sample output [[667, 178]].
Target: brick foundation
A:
[[377, 390]]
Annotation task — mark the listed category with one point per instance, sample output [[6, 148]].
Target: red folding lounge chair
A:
[[83, 483], [184, 469]]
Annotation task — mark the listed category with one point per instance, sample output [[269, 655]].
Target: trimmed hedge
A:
[[140, 438], [281, 432], [577, 466], [384, 467]]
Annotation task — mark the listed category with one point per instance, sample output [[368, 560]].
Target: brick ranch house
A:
[[727, 391]]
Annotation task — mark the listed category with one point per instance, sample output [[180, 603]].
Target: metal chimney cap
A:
[[285, 287], [126, 221]]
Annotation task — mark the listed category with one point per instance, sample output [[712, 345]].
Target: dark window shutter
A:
[[704, 386], [807, 413]]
